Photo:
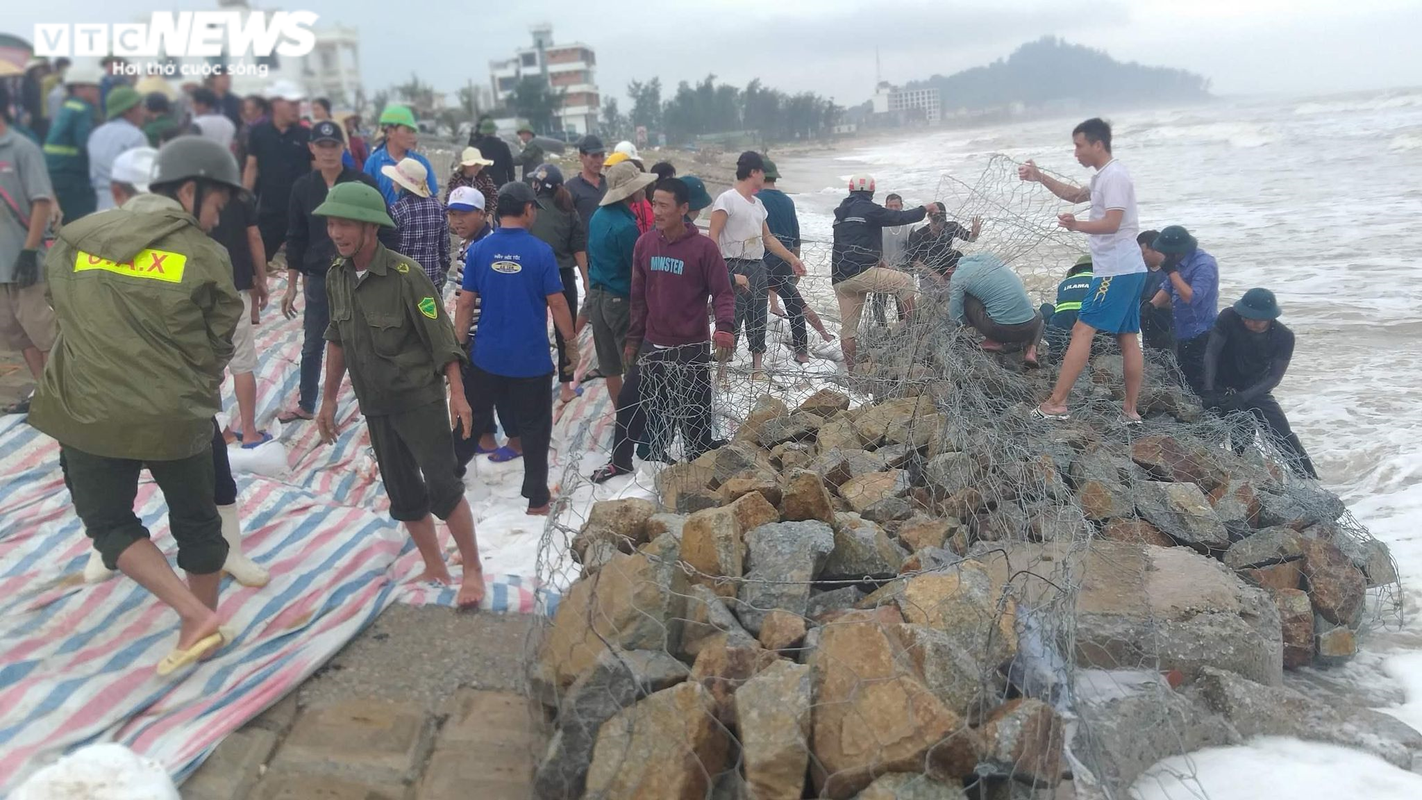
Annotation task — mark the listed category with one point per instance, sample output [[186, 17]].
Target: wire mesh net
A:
[[895, 582]]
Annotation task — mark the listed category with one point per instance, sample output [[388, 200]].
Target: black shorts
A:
[[415, 451]]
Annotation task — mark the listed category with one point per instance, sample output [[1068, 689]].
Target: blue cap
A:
[[546, 178]]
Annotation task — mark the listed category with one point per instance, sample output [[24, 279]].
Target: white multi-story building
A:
[[891, 99], [332, 70], [570, 70]]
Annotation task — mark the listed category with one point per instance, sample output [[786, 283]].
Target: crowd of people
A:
[[134, 262]]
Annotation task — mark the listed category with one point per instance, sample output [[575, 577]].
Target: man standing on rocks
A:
[[674, 268], [1113, 303], [785, 225], [388, 325], [1248, 353], [1192, 289]]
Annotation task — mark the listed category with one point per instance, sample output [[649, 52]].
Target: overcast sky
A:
[[827, 46]]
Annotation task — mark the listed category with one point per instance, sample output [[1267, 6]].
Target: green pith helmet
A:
[[523, 127], [355, 201], [192, 158], [488, 126], [121, 100], [398, 115]]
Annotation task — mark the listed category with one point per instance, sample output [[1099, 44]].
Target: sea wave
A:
[[1377, 102], [1406, 142], [1235, 134]]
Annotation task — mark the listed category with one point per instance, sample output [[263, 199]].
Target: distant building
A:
[[569, 69], [332, 70], [908, 103]]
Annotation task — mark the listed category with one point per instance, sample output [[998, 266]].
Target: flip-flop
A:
[[608, 472], [1038, 413], [593, 375], [483, 451], [288, 416], [1130, 422], [266, 437], [178, 659], [504, 454], [578, 392]]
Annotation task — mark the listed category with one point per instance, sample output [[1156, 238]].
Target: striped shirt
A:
[[424, 234]]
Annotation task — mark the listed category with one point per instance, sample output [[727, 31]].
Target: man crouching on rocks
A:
[[389, 327]]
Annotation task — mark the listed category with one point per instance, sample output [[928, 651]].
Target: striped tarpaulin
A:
[[77, 661]]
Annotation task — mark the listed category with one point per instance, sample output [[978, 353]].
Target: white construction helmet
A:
[[627, 148], [83, 74], [134, 167], [861, 183]]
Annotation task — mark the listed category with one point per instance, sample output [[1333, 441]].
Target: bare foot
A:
[[991, 346], [567, 395], [471, 589], [456, 558], [438, 575], [194, 631], [776, 310], [488, 442], [538, 511], [802, 358], [1052, 408], [827, 336]]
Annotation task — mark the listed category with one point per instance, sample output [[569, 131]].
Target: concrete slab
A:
[[233, 768], [361, 738]]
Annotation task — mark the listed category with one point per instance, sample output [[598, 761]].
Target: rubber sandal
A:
[[594, 375], [1130, 422], [504, 454], [482, 451], [1038, 413], [608, 472], [290, 415], [266, 437], [578, 392], [19, 407], [178, 659]]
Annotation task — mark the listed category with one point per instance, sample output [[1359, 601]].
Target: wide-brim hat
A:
[[1174, 240], [121, 100], [625, 180], [156, 84], [409, 174], [472, 156], [1258, 304]]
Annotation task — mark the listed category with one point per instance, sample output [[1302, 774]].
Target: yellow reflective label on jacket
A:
[[153, 265]]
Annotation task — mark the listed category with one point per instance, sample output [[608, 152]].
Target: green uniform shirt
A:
[[394, 330], [530, 158], [64, 147], [146, 311]]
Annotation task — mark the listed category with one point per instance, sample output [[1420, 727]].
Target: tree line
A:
[[708, 107]]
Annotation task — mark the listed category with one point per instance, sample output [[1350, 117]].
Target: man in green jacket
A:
[[65, 152], [146, 311], [390, 328], [531, 157]]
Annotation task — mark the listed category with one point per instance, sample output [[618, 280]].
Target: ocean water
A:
[[1315, 198]]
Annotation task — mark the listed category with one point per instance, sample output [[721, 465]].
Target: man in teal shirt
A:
[[986, 294], [612, 234], [65, 152]]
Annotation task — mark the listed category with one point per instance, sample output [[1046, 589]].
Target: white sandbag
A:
[[269, 459], [100, 772]]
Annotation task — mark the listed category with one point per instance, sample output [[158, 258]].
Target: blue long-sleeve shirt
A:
[[381, 157], [782, 221], [1196, 317], [612, 236], [987, 278]]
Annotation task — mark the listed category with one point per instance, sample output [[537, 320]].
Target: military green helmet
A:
[[195, 158], [397, 115], [355, 201]]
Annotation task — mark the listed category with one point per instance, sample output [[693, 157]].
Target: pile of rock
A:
[[862, 603]]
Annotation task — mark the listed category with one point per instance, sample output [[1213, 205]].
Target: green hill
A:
[[1051, 71]]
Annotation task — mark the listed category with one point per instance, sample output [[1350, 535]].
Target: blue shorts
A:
[[1113, 304]]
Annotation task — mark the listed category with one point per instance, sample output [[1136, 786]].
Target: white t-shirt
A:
[[216, 127], [745, 221], [1115, 253]]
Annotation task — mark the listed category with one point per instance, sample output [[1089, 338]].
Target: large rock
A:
[[1181, 511], [635, 602], [825, 403], [783, 559], [707, 616], [752, 480], [1102, 500], [796, 427], [1296, 622], [915, 432], [1236, 503], [722, 669], [1367, 554], [773, 719], [1139, 606], [1275, 576], [838, 466], [805, 498], [666, 746], [1038, 478], [1336, 645], [1281, 510], [712, 543], [838, 434], [861, 550], [920, 532], [791, 455], [766, 408], [872, 716], [1136, 531], [686, 488], [1024, 739], [615, 682], [954, 675], [1263, 548], [782, 630], [952, 473], [1168, 459], [731, 460], [865, 490], [962, 603], [1131, 721], [1336, 587], [841, 599], [910, 786], [622, 523], [873, 425], [1257, 710]]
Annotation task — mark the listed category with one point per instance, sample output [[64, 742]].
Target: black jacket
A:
[[859, 225], [497, 151], [308, 248]]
